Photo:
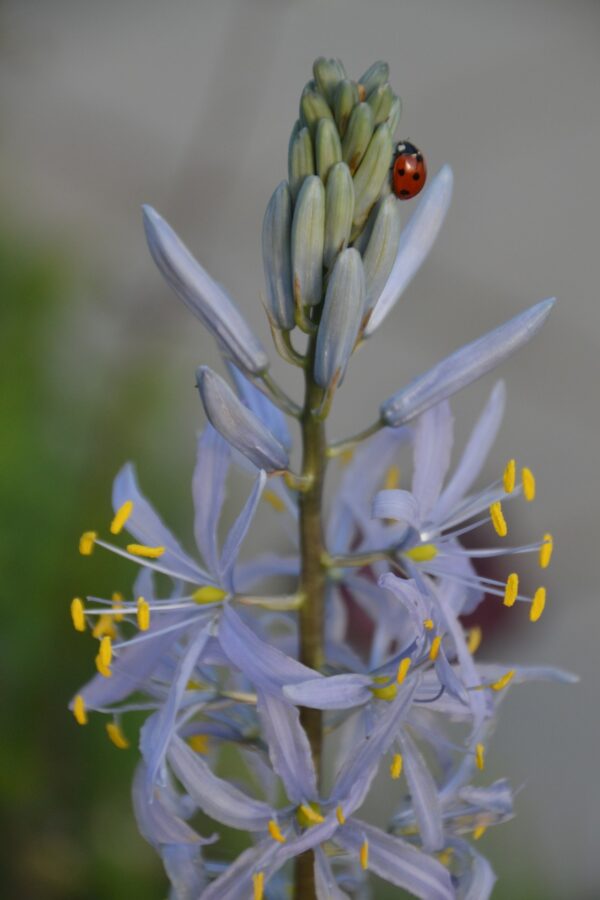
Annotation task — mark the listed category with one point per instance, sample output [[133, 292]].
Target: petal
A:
[[416, 241], [248, 574], [289, 749], [236, 882], [239, 531], [185, 870], [208, 492], [262, 407], [424, 795], [334, 692], [341, 319], [431, 456], [399, 505], [325, 884], [276, 252], [155, 822], [464, 366], [478, 879]]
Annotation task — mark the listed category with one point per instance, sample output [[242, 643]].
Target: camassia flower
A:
[[247, 668]]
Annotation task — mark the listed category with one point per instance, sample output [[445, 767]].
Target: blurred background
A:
[[188, 105]]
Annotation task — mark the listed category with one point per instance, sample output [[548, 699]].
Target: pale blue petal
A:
[[289, 749], [208, 492], [412, 599], [236, 882], [416, 240], [398, 862], [239, 531], [185, 870], [268, 565], [397, 504], [272, 417], [341, 319], [203, 296], [424, 795], [325, 883], [496, 797], [478, 879], [434, 434], [156, 822], [464, 366], [334, 692], [491, 672]]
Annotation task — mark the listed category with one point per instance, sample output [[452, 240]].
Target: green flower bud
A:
[[301, 162], [308, 228], [357, 137], [375, 75], [328, 74], [313, 108], [339, 212], [344, 101], [328, 149], [276, 232], [381, 100], [381, 250], [394, 116], [372, 173]]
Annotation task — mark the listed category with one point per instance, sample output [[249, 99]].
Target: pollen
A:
[[309, 815], [537, 604], [117, 603], [143, 614], [105, 626], [208, 594], [86, 543], [503, 681], [121, 516], [480, 757], [116, 735], [509, 477], [511, 590], [403, 668], [428, 624], [422, 553], [275, 832], [546, 551], [498, 520], [474, 639], [274, 500], [392, 478], [199, 743], [77, 614], [434, 650], [528, 479], [385, 693], [339, 814], [146, 552], [258, 884], [79, 710], [364, 854], [479, 832], [396, 766]]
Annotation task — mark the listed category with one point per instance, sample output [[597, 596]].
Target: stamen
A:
[[546, 551], [509, 477], [117, 602], [479, 832], [511, 590], [528, 480], [503, 681], [537, 604], [346, 457], [208, 594], [114, 732], [105, 652], [121, 516], [77, 614], [274, 500], [396, 766], [364, 854], [143, 614], [258, 884], [498, 520], [403, 668], [309, 815], [199, 743], [275, 832], [79, 710], [147, 552], [105, 626], [435, 647], [428, 624], [385, 693], [86, 542], [474, 639], [480, 757], [422, 553], [102, 668], [392, 478], [339, 814], [445, 857]]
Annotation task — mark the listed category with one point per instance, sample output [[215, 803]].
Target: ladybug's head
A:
[[407, 149]]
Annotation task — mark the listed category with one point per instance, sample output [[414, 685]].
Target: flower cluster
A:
[[365, 655]]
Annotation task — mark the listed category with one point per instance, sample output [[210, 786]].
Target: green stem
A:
[[312, 585]]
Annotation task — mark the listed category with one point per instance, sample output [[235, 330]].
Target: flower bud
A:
[[237, 424], [345, 99], [357, 137], [328, 74], [394, 116], [372, 173], [381, 100], [328, 149], [381, 250], [308, 226], [313, 108], [301, 161], [339, 212], [375, 75], [276, 234], [203, 296], [341, 319]]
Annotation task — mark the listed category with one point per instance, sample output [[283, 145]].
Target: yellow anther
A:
[[445, 857], [509, 477], [258, 884], [364, 854], [546, 551], [86, 543], [503, 681], [77, 614], [208, 594], [422, 553], [102, 668], [434, 650], [396, 766], [121, 516], [309, 815], [143, 614], [339, 814], [275, 832], [79, 710], [528, 479], [474, 639], [274, 500], [116, 735], [392, 478], [537, 604], [117, 603], [385, 693], [147, 552], [428, 624], [105, 652], [498, 520], [105, 626], [403, 668], [511, 590], [346, 457], [199, 743], [479, 832], [480, 756]]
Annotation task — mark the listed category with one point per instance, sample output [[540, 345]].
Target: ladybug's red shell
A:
[[409, 171]]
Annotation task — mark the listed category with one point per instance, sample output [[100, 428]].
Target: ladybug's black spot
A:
[[401, 171], [419, 157], [404, 193], [416, 176]]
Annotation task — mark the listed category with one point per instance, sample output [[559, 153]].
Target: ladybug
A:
[[409, 171]]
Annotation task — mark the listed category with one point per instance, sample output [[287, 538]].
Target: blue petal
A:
[[208, 492], [236, 882], [431, 454], [464, 366], [424, 795], [289, 749], [325, 884], [397, 504], [334, 692], [272, 417], [248, 574], [239, 530], [341, 319], [203, 296], [478, 879], [156, 822], [185, 870], [238, 425], [397, 862], [416, 241]]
